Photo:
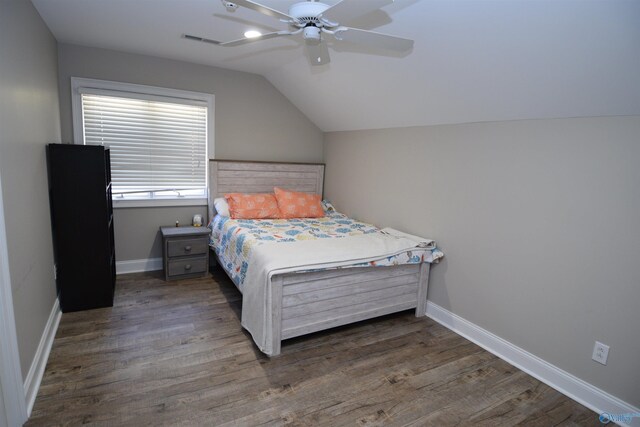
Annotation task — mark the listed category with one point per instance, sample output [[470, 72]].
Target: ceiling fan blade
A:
[[345, 10], [374, 39], [265, 10], [318, 53], [247, 40]]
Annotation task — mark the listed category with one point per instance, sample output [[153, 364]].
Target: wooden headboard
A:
[[237, 176]]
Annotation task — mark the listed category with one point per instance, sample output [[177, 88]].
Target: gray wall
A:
[[29, 119], [141, 225], [253, 122], [538, 220]]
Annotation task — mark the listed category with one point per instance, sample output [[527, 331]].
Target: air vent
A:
[[199, 39]]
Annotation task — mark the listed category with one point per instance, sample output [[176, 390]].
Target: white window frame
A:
[[152, 92]]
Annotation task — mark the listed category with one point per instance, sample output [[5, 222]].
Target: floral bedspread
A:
[[234, 239]]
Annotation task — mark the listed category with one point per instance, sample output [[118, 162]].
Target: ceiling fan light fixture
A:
[[252, 34], [311, 35]]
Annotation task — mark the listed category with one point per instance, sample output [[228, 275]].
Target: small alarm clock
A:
[[197, 220]]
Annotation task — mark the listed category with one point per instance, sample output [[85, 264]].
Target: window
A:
[[157, 148], [159, 139]]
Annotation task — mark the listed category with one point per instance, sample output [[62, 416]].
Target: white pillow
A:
[[221, 205]]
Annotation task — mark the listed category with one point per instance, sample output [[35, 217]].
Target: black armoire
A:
[[82, 225]]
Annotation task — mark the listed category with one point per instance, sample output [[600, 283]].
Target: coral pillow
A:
[[298, 205], [252, 206]]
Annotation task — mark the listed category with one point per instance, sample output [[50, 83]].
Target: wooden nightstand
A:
[[185, 252]]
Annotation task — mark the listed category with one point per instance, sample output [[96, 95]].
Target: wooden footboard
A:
[[303, 303]]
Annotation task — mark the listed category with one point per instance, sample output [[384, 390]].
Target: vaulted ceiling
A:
[[473, 60]]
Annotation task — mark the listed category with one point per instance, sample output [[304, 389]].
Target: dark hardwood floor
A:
[[175, 354]]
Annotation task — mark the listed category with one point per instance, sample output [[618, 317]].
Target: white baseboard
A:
[[138, 265], [36, 371], [582, 392]]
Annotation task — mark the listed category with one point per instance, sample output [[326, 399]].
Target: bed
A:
[[288, 300]]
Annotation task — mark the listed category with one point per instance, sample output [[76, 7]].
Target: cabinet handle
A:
[[187, 248], [187, 267]]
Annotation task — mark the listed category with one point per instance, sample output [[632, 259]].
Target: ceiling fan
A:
[[314, 20]]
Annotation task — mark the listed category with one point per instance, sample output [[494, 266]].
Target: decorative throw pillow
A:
[[252, 206], [298, 205]]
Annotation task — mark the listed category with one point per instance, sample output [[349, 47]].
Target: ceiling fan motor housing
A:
[[306, 13]]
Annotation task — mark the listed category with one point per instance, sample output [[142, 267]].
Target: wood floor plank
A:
[[176, 354]]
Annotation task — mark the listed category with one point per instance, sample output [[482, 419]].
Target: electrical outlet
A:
[[600, 353]]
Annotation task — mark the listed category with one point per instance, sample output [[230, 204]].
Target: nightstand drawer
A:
[[192, 246], [191, 265]]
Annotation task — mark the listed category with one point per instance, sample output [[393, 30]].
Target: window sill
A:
[[153, 203]]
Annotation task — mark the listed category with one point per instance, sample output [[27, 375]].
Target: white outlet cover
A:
[[600, 353]]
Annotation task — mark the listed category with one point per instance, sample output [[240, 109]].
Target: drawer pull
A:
[[187, 248], [187, 267]]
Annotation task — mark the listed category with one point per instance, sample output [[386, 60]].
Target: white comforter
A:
[[270, 259]]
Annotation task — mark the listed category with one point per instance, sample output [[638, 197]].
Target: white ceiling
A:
[[473, 60]]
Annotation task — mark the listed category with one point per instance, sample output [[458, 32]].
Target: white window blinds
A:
[[157, 147]]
